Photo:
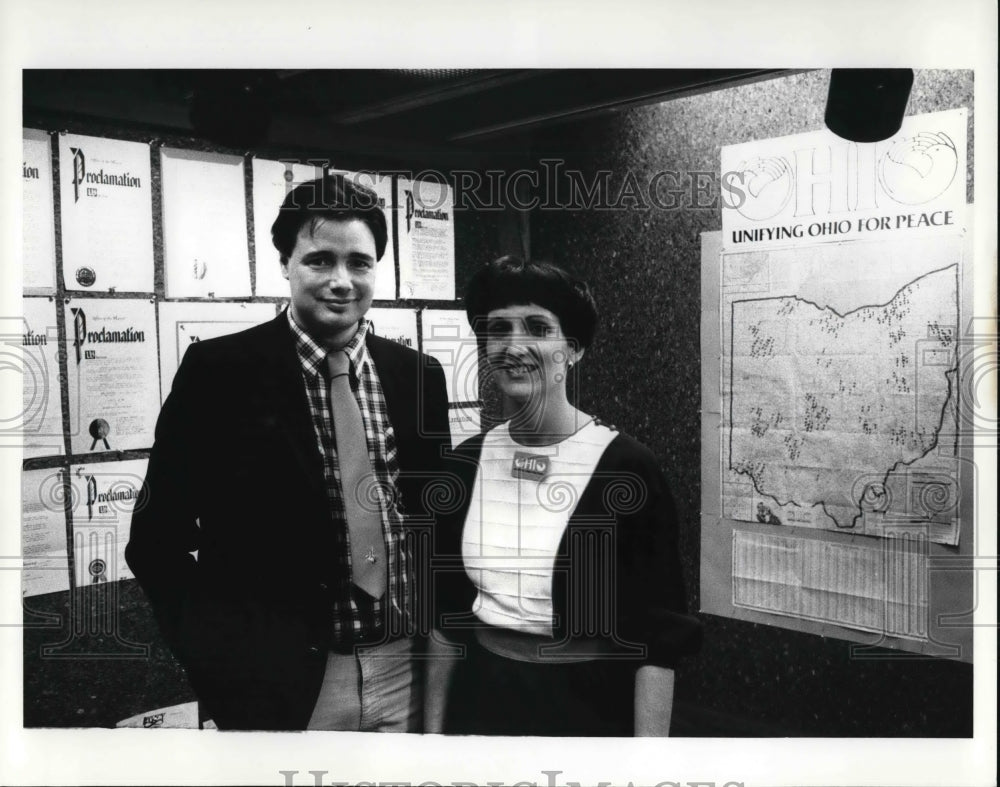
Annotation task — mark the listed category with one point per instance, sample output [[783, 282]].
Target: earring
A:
[[571, 364]]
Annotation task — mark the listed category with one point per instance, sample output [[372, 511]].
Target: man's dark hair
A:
[[511, 281], [331, 197]]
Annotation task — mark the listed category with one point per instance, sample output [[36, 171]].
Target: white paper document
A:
[[426, 239], [272, 180], [30, 347], [819, 188], [106, 208], [464, 422], [873, 586], [182, 324], [400, 325], [448, 337], [114, 392], [184, 716], [43, 532], [205, 243], [104, 496], [39, 232]]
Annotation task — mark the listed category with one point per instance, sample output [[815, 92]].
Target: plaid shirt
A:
[[357, 618]]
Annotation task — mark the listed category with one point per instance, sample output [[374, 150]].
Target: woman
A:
[[570, 606]]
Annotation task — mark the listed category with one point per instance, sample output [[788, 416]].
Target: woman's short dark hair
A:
[[511, 281], [330, 197]]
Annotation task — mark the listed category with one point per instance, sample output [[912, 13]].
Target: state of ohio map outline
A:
[[869, 486]]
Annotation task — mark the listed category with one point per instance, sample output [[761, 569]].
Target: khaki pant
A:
[[373, 689]]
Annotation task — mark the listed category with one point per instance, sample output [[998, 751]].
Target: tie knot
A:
[[338, 363]]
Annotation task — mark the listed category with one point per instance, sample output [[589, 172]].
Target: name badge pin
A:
[[532, 467]]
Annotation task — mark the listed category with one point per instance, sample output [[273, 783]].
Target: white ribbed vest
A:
[[514, 525]]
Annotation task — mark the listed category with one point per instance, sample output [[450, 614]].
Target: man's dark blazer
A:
[[235, 473]]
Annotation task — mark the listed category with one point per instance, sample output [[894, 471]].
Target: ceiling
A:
[[455, 109]]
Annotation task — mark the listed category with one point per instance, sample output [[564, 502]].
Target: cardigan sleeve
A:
[[650, 607], [666, 627]]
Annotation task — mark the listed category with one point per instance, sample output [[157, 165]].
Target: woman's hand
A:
[[441, 659], [654, 701]]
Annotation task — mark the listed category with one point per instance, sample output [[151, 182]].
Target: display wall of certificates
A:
[[105, 188]]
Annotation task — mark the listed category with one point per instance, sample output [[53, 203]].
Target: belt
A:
[[540, 649], [349, 648]]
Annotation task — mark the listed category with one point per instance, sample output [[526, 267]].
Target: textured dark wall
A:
[[643, 375]]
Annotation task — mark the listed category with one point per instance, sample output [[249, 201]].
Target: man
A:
[[290, 462]]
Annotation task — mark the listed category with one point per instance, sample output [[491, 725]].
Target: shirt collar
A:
[[312, 356]]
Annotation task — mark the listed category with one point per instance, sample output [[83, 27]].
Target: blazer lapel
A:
[[284, 392], [392, 379]]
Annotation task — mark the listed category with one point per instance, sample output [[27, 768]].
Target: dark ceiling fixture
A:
[[867, 104], [233, 108]]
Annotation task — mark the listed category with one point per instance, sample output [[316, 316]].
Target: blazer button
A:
[[313, 649], [323, 586]]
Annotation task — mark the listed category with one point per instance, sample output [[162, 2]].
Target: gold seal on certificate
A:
[[99, 430], [98, 571], [85, 276]]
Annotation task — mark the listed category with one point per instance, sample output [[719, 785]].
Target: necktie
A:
[[357, 480]]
